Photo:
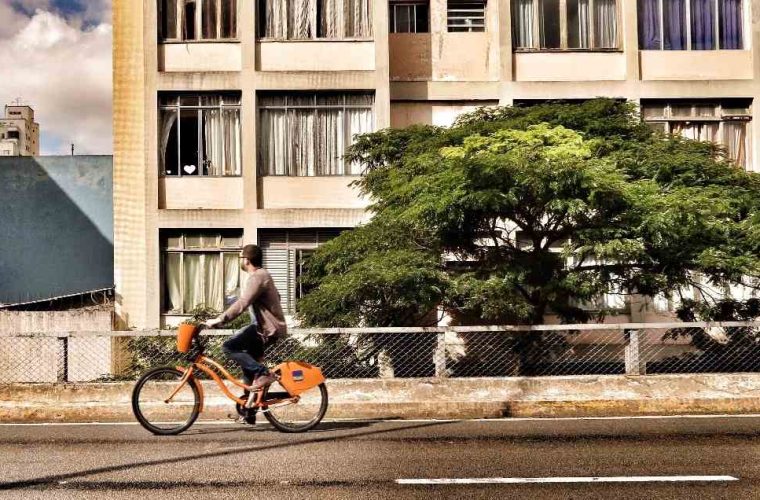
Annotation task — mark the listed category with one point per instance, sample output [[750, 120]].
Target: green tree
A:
[[513, 213]]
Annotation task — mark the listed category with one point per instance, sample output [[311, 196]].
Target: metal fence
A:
[[483, 351]]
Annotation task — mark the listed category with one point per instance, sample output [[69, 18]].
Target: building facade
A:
[[19, 133], [231, 116]]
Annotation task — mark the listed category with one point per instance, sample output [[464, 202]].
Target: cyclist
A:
[[261, 298]]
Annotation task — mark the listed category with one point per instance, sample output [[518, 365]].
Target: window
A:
[[14, 134], [466, 15], [690, 24], [585, 25], [285, 254], [200, 269], [724, 122], [306, 134], [310, 19], [199, 135], [197, 19], [409, 17]]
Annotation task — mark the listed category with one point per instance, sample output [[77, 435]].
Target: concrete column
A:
[[129, 190], [634, 364]]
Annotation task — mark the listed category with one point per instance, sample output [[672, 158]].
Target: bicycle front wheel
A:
[[300, 416], [161, 405]]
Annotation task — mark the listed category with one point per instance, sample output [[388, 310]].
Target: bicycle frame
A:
[[213, 370]]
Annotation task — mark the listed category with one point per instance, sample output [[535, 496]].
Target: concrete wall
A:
[[578, 396], [56, 226], [89, 319], [309, 192]]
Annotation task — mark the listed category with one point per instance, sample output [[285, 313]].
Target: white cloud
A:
[[64, 73]]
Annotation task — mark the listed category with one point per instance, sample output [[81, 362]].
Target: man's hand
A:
[[211, 323]]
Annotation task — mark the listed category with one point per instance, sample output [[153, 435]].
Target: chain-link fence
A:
[[499, 351]]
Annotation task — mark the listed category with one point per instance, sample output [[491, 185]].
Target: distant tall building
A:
[[19, 133]]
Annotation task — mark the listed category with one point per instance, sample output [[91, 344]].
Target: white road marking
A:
[[412, 420], [590, 479]]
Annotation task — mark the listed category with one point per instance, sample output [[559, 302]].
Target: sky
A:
[[55, 55]]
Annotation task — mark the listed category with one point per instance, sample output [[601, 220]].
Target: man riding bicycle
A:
[[261, 298]]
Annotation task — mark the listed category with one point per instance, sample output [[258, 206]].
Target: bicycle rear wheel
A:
[[155, 412], [297, 417]]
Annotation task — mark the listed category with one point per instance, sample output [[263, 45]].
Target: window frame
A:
[[564, 32], [200, 108], [415, 4], [197, 23], [316, 107], [471, 29], [220, 250], [719, 116]]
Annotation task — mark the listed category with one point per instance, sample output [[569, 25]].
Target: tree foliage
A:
[[513, 213]]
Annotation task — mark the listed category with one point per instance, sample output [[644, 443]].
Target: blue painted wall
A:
[[56, 226]]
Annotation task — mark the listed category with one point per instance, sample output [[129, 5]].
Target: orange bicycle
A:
[[167, 400]]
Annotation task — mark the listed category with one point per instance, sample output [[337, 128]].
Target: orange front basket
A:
[[185, 335]]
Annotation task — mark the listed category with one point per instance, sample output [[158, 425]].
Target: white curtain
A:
[[605, 26], [360, 121], [735, 140], [524, 24], [231, 278], [578, 32], [209, 19], [304, 140], [275, 19], [332, 22], [213, 149], [232, 148], [173, 278], [299, 18], [274, 142], [330, 141], [302, 135], [345, 19], [359, 19], [168, 119], [212, 280], [707, 132], [193, 296]]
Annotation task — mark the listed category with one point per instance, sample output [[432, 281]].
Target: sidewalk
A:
[[567, 396]]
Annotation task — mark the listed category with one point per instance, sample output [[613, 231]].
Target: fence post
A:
[[439, 355], [62, 374], [634, 365]]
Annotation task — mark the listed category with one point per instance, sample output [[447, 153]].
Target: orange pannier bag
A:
[[185, 335], [298, 376]]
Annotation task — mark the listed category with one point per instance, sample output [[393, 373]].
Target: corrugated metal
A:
[[56, 222]]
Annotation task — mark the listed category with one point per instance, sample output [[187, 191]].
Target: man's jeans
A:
[[246, 348]]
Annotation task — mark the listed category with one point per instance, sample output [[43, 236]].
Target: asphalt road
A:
[[357, 459]]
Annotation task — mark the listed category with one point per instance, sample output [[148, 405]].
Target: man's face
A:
[[243, 262]]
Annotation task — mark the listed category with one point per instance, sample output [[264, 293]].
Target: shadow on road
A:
[[56, 479], [323, 427]]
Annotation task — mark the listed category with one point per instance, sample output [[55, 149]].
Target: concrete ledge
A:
[[580, 396]]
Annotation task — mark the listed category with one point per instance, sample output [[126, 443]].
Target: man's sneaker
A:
[[263, 381]]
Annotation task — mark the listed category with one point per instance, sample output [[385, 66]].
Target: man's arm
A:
[[251, 291]]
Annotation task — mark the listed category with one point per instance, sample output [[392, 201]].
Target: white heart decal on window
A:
[[189, 169]]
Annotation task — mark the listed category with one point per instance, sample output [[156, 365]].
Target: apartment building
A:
[[19, 133], [231, 116]]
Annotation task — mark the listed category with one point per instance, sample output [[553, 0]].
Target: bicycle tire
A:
[[145, 422], [283, 427]]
